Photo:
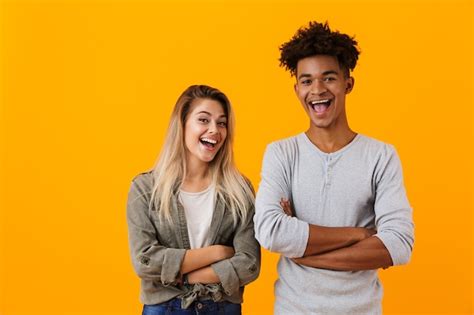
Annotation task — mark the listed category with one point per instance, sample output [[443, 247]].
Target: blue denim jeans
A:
[[207, 307]]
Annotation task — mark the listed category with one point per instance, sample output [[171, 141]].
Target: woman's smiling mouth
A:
[[208, 142]]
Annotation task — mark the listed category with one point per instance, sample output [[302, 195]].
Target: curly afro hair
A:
[[318, 39]]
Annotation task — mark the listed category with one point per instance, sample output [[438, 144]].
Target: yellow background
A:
[[87, 90]]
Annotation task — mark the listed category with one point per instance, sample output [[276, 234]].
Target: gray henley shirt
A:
[[361, 185]]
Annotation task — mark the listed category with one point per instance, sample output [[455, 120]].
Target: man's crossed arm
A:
[[342, 248]]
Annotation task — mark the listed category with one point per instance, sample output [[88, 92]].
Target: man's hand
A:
[[285, 204], [365, 233]]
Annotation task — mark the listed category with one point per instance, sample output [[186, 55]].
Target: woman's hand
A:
[[223, 252]]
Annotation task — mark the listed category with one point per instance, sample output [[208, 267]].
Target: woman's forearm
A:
[[201, 257], [203, 275]]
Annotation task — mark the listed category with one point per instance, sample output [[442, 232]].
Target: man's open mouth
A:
[[210, 143], [320, 106]]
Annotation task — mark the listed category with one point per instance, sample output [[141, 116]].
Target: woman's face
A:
[[205, 130]]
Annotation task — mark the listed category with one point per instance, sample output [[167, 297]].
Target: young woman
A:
[[190, 219]]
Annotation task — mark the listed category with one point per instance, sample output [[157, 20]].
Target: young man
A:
[[332, 202]]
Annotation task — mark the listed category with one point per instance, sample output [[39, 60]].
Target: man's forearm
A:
[[367, 254], [324, 239]]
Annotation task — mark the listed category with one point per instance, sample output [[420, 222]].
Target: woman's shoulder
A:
[[143, 181]]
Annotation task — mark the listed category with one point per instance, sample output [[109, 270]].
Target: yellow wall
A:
[[87, 89]]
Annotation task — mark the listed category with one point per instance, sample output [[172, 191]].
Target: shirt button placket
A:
[[328, 170]]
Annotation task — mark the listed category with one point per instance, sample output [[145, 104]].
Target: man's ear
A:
[[349, 84], [295, 87]]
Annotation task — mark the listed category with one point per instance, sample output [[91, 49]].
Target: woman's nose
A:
[[213, 127]]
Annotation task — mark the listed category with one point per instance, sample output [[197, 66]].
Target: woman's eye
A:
[[222, 124], [203, 120]]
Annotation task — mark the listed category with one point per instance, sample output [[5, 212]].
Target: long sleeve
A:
[[393, 213], [275, 230], [150, 259], [244, 266]]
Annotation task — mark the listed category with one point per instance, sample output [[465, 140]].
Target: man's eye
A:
[[306, 82], [329, 79]]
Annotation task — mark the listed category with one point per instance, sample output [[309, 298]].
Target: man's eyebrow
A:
[[304, 75], [330, 72], [307, 75]]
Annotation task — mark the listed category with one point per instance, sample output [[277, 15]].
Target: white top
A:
[[198, 208]]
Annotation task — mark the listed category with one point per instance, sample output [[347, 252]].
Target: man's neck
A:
[[330, 140]]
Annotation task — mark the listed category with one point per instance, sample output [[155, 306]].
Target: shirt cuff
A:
[[227, 275], [171, 265], [391, 242]]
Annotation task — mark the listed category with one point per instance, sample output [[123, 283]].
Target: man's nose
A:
[[318, 87]]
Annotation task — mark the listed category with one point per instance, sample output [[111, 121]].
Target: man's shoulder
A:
[[285, 145], [375, 149], [370, 143]]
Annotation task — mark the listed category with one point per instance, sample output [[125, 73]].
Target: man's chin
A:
[[320, 123]]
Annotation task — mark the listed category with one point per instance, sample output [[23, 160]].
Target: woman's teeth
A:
[[208, 142]]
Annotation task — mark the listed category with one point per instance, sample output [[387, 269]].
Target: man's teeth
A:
[[312, 103], [209, 140]]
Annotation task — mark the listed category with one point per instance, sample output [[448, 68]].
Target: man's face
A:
[[321, 86]]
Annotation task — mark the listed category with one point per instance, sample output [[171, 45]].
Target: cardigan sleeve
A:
[[151, 260], [244, 266]]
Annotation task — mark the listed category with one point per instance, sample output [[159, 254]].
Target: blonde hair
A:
[[170, 170]]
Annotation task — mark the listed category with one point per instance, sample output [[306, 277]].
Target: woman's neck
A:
[[197, 177]]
